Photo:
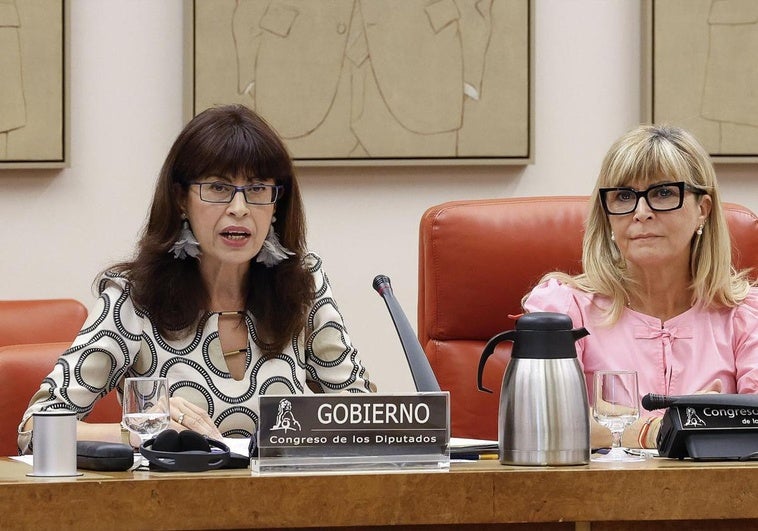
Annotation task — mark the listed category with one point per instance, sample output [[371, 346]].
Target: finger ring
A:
[[180, 418]]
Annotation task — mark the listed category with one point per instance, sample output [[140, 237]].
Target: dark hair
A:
[[224, 140]]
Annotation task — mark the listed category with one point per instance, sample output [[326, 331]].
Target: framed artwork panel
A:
[[700, 66], [363, 82], [32, 84]]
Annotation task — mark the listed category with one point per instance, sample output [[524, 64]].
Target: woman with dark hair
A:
[[222, 297]]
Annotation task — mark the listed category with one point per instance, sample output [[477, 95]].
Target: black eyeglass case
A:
[[105, 456]]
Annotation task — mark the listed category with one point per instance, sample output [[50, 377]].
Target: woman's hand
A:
[[187, 416], [647, 426], [600, 436], [712, 388]]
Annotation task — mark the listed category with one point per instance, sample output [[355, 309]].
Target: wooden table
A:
[[475, 495]]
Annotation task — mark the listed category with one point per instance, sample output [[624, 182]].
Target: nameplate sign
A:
[[356, 431]]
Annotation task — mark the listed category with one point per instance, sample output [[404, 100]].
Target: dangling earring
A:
[[699, 230], [272, 251], [613, 237], [186, 244]]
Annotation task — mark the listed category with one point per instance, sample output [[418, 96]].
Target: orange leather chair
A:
[[22, 369], [40, 321], [477, 259]]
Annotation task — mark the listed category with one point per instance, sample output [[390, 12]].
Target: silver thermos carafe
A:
[[544, 416]]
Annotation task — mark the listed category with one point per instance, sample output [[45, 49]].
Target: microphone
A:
[[653, 401], [421, 371]]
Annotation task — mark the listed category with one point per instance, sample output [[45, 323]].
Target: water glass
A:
[[616, 406], [146, 406]]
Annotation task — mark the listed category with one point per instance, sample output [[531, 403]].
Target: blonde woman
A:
[[659, 294]]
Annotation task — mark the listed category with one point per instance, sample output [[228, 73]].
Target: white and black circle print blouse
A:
[[120, 341]]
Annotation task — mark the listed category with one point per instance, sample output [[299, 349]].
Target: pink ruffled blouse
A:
[[680, 356]]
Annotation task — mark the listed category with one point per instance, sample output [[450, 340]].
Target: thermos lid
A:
[[544, 321], [545, 335]]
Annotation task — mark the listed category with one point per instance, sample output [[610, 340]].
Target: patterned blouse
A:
[[120, 341]]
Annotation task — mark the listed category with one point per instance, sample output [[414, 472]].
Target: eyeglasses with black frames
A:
[[660, 197], [255, 194]]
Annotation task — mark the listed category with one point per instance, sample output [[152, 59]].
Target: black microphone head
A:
[[653, 401], [381, 283]]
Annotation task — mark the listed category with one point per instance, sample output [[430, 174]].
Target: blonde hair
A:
[[642, 156]]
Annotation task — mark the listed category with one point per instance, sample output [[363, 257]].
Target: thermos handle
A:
[[488, 350]]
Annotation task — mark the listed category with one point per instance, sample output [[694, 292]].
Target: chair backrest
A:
[[477, 259], [40, 321], [22, 369]]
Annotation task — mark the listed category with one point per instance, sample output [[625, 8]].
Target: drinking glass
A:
[[146, 407], [616, 406]]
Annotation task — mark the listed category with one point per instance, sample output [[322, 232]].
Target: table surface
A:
[[476, 492]]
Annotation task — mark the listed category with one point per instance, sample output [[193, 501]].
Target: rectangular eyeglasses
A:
[[254, 194], [660, 197]]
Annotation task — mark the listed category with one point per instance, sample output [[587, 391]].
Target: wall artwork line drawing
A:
[[31, 84], [363, 81], [703, 72]]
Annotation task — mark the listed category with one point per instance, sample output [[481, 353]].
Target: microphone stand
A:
[[421, 371]]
